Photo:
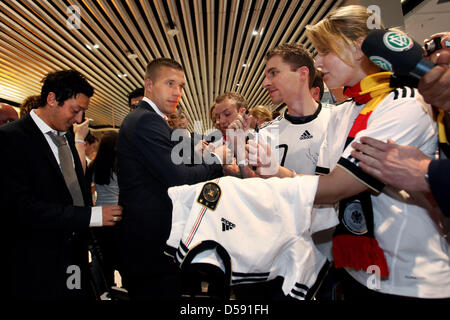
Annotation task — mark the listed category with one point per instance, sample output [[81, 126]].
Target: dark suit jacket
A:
[[439, 179], [146, 171], [43, 232]]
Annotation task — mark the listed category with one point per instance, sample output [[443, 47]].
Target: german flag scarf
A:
[[354, 243]]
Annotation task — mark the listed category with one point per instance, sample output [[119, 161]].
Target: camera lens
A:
[[430, 46], [433, 45]]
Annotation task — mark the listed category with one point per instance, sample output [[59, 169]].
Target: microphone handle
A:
[[422, 67]]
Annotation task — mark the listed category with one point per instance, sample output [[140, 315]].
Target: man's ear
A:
[[315, 92], [242, 111], [304, 73], [51, 99], [148, 84]]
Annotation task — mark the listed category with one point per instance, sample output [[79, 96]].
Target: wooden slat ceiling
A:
[[220, 43]]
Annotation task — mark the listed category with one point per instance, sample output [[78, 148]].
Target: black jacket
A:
[[146, 171], [439, 179], [45, 236]]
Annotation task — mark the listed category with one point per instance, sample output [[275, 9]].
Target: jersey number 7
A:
[[285, 150]]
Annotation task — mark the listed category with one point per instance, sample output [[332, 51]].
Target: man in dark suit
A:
[[45, 219], [134, 97], [146, 171]]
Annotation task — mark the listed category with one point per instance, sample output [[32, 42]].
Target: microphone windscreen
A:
[[392, 51]]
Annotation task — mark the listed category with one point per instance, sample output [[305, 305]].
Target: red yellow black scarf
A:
[[356, 247]]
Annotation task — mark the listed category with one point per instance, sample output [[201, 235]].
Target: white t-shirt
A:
[[299, 141], [417, 254], [263, 224]]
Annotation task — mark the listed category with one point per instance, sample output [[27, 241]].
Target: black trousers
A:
[[161, 282]]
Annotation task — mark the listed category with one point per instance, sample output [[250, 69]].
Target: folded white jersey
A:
[[254, 229]]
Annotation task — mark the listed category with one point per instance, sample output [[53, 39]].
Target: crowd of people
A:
[[379, 159]]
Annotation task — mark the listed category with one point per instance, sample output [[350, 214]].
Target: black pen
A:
[[256, 140]]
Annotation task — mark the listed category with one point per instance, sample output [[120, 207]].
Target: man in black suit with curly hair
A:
[[46, 207]]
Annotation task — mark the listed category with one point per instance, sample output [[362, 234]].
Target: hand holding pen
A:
[[255, 138], [242, 122], [238, 135]]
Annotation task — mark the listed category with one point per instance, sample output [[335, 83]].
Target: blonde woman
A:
[[261, 114], [380, 231]]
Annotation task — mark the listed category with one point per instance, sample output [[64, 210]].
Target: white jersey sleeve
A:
[[182, 198], [262, 224], [407, 121]]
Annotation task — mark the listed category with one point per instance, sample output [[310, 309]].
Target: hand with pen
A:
[[262, 158], [254, 156], [237, 133]]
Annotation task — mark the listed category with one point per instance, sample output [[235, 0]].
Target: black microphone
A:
[[395, 51]]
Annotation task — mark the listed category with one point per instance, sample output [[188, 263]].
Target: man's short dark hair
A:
[[90, 138], [139, 92], [318, 82], [154, 66], [66, 84], [237, 97], [296, 56]]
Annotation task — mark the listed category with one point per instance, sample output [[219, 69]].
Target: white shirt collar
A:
[[155, 107], [45, 128]]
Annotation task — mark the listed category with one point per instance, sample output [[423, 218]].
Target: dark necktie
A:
[[68, 171]]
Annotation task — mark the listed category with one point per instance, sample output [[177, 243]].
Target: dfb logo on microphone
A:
[[395, 41]]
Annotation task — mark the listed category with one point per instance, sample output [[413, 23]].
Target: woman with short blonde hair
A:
[[378, 230], [261, 114]]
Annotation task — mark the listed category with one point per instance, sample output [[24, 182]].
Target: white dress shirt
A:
[[155, 107]]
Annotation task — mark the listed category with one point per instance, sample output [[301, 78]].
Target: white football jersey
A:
[[260, 225], [299, 142], [416, 253]]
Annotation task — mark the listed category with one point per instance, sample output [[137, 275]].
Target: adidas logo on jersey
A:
[[227, 225], [306, 135]]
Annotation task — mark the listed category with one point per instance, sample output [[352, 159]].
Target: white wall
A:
[[426, 19]]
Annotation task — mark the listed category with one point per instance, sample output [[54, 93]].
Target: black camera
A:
[[433, 45]]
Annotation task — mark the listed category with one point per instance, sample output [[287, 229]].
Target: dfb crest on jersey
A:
[[210, 195], [353, 218]]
